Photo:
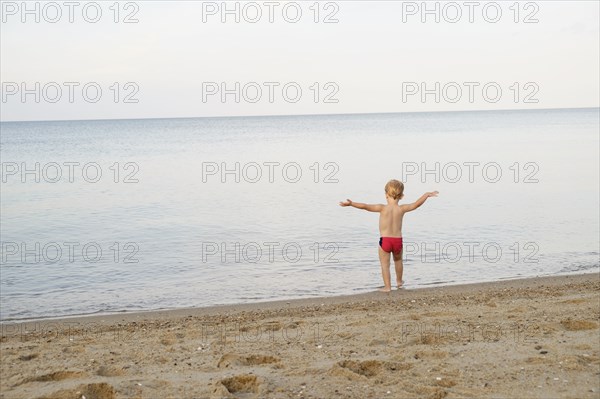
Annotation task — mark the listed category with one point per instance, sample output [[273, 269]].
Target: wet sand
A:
[[530, 338]]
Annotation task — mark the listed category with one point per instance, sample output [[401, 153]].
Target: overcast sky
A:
[[377, 57]]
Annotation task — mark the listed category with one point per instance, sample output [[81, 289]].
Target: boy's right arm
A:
[[419, 202], [366, 207]]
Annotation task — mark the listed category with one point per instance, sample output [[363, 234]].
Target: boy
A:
[[390, 228]]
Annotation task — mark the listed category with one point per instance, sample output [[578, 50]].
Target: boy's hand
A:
[[346, 203], [433, 194]]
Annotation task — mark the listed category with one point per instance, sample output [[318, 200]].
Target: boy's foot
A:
[[400, 284], [385, 289]]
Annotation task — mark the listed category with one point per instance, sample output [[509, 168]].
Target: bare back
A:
[[390, 220]]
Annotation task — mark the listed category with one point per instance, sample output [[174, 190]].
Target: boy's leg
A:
[[398, 265], [384, 258]]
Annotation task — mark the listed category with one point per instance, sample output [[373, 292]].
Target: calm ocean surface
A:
[[137, 214]]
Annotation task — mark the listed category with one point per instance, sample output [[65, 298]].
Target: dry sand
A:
[[531, 338]]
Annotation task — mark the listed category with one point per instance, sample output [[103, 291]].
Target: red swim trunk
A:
[[391, 244]]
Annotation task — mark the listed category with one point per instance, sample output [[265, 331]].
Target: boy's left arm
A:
[[419, 202]]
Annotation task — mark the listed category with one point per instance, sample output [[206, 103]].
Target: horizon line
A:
[[297, 115]]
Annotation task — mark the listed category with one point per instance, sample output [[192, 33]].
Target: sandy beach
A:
[[530, 338]]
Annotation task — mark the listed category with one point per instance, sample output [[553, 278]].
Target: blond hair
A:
[[394, 189]]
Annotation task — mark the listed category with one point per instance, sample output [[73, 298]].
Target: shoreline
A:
[[521, 338], [198, 311]]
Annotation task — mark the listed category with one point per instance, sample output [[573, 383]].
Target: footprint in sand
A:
[[577, 325], [368, 368], [110, 371], [29, 357], [241, 385], [56, 376], [97, 391], [232, 359]]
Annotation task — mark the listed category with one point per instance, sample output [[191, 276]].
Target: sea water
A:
[[123, 215]]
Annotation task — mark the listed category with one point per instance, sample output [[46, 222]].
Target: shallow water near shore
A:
[[147, 214]]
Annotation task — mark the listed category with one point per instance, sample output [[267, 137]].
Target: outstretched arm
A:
[[419, 202], [358, 205]]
